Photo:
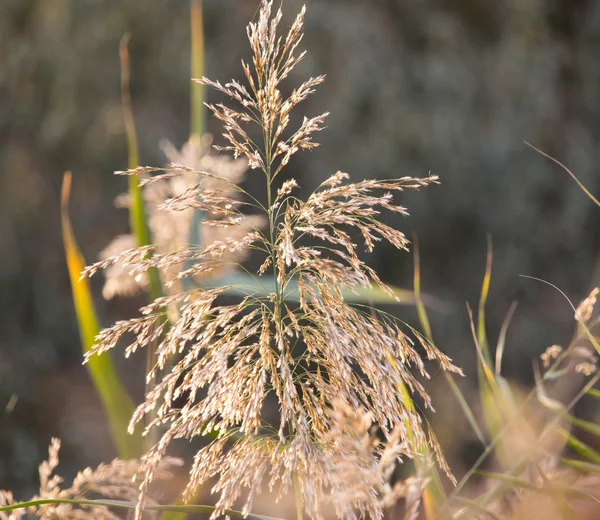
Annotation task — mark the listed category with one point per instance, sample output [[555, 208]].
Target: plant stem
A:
[[122, 504], [197, 66], [298, 496], [137, 214]]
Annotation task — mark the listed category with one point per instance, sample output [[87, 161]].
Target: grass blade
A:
[[485, 289], [587, 426], [502, 337], [556, 161], [197, 66], [434, 494], [496, 397], [580, 447], [122, 504], [488, 389], [581, 465], [426, 326], [242, 284], [137, 215], [117, 404]]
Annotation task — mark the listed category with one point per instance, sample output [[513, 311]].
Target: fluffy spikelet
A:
[[314, 356], [263, 104], [198, 181], [360, 466], [586, 307], [115, 481]]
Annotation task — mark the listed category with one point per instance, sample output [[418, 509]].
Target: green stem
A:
[[137, 214], [130, 505], [197, 67]]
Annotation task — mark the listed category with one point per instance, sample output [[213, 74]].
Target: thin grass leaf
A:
[[556, 161], [487, 374], [434, 494], [423, 318], [497, 402], [588, 334], [464, 405], [197, 67], [581, 465], [506, 395], [594, 393], [425, 325], [580, 447], [242, 284], [485, 289], [137, 215], [122, 504], [117, 405], [488, 388], [495, 396], [587, 426], [502, 337]]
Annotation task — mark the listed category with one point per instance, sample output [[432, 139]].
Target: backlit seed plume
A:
[[360, 466], [297, 342], [175, 224], [110, 481]]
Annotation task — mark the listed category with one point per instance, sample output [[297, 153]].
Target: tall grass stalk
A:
[[197, 68], [137, 212]]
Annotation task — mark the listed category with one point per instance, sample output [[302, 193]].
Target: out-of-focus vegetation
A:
[[452, 87]]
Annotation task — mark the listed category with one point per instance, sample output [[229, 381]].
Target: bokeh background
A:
[[449, 86]]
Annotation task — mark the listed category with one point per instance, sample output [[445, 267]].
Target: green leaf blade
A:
[[117, 404]]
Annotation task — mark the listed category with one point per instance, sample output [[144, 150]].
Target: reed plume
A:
[[302, 343]]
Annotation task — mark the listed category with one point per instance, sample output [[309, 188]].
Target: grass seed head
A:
[[336, 370]]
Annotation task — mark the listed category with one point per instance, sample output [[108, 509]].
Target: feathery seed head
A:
[[331, 366]]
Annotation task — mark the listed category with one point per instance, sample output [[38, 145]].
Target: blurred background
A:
[[454, 87]]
